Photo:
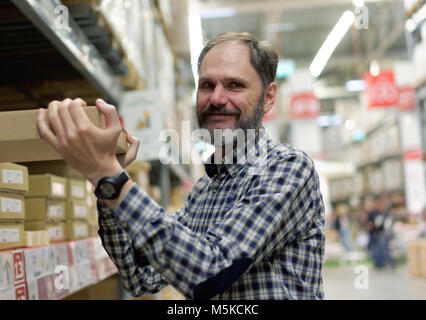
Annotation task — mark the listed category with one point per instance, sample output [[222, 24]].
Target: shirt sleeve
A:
[[278, 208], [138, 276]]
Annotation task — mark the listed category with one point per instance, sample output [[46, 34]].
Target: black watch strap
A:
[[109, 188]]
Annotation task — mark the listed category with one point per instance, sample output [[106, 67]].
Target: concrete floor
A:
[[367, 283]]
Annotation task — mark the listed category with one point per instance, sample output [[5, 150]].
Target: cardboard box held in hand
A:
[[20, 140]]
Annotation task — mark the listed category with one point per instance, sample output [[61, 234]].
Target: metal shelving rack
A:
[[70, 40]]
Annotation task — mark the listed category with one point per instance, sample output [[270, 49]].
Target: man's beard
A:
[[244, 125]]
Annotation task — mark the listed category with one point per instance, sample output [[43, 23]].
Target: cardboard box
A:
[[12, 206], [57, 231], [422, 258], [36, 238], [413, 254], [13, 177], [77, 209], [56, 167], [76, 189], [77, 229], [11, 236], [94, 227], [35, 225], [42, 208], [20, 137], [47, 185]]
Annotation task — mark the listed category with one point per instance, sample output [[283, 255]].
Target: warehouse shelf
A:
[[414, 8], [397, 156], [74, 45], [421, 91], [55, 271]]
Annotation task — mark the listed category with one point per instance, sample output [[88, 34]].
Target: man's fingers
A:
[[67, 122], [110, 113], [54, 120], [79, 117], [130, 156], [133, 148], [44, 130]]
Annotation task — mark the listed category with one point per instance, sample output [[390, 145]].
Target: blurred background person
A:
[[342, 225]]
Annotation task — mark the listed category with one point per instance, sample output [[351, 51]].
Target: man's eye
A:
[[207, 85], [236, 85]]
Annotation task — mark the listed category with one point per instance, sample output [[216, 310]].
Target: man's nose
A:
[[218, 96]]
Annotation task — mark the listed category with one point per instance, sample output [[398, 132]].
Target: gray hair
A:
[[262, 56]]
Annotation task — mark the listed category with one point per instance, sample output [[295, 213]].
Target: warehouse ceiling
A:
[[297, 28]]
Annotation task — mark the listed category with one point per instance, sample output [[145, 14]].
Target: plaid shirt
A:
[[239, 235]]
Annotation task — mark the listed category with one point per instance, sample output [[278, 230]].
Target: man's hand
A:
[[85, 147], [130, 155]]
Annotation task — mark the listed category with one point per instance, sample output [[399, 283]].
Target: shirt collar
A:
[[240, 156]]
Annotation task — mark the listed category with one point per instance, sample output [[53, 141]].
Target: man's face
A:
[[229, 92]]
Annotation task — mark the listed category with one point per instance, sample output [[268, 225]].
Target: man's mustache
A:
[[212, 109]]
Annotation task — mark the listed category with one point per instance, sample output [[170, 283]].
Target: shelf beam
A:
[[73, 44]]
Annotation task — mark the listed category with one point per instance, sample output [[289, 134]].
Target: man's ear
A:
[[270, 95]]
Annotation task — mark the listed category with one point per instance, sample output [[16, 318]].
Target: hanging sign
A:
[[382, 91], [304, 105]]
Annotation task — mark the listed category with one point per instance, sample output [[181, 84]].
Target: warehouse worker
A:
[[239, 235]]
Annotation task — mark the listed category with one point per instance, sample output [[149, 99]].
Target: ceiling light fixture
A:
[[374, 68], [355, 85], [195, 37], [215, 13], [330, 44]]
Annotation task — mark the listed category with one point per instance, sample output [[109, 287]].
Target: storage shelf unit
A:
[[73, 44], [55, 271]]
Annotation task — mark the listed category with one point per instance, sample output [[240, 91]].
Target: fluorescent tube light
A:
[[330, 44], [213, 13], [355, 85]]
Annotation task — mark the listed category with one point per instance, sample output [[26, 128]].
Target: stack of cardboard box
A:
[[77, 210], [13, 186], [417, 257], [46, 205], [93, 211]]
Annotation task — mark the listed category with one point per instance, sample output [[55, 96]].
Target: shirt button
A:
[[214, 190], [124, 225]]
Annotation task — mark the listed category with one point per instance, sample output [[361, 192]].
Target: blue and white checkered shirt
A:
[[239, 235]]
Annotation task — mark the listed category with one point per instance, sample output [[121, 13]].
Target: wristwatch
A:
[[109, 188]]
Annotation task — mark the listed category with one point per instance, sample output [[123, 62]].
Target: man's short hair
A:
[[262, 56]]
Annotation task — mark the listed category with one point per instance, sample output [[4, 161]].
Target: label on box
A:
[[80, 211], [21, 292], [81, 230], [58, 189], [32, 290], [56, 211], [35, 264], [18, 266], [7, 294], [77, 192], [6, 271], [55, 233], [11, 205], [13, 176], [9, 235]]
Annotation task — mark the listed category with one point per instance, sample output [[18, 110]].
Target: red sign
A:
[[382, 90], [407, 99], [21, 292], [413, 155], [305, 105], [19, 266]]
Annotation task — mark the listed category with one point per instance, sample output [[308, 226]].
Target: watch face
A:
[[107, 189]]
